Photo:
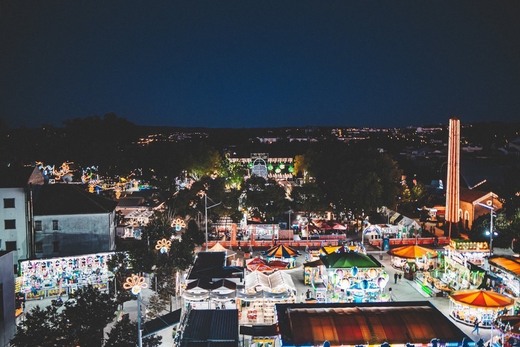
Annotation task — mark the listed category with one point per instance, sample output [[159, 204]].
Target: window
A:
[[10, 246], [38, 247], [10, 224], [56, 246], [55, 225], [9, 203], [37, 225]]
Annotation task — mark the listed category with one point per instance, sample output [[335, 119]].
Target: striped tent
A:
[[413, 252], [481, 298], [281, 251]]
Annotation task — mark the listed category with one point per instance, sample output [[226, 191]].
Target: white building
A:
[[15, 209]]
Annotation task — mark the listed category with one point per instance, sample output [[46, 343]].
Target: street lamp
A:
[[135, 283], [206, 208], [491, 231]]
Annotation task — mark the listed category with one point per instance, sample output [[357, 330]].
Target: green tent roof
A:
[[349, 259]]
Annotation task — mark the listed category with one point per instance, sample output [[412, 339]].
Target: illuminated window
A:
[[38, 247], [55, 225], [56, 246], [37, 225], [9, 203], [10, 224]]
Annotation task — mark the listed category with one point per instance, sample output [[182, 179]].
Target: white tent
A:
[[409, 223], [277, 282], [219, 248]]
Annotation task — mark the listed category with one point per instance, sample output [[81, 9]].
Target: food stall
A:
[[462, 260], [466, 306], [508, 270]]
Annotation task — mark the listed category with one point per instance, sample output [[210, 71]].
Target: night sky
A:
[[260, 63]]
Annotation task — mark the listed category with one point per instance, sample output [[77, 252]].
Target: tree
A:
[[124, 334], [308, 197], [88, 314], [40, 327], [264, 199], [80, 322]]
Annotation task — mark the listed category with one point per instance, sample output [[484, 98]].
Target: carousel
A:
[[282, 253], [467, 306], [346, 277], [419, 264], [422, 257]]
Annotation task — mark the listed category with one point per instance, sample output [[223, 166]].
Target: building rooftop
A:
[[366, 323], [65, 199]]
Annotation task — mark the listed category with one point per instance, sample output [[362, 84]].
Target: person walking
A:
[[400, 276], [476, 326], [395, 278]]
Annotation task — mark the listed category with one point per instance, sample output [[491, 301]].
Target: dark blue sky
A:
[[260, 63]]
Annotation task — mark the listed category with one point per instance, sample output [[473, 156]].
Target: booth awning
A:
[[511, 265]]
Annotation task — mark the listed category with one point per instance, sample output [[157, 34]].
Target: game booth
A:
[[53, 277], [466, 306]]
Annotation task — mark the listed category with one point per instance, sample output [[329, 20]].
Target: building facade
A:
[[70, 221]]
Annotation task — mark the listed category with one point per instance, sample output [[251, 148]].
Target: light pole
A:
[[135, 283], [206, 208], [491, 232]]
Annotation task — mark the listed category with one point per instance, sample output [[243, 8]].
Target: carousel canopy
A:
[[412, 252], [349, 259], [281, 251], [481, 298]]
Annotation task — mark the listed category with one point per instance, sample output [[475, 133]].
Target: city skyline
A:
[[236, 64]]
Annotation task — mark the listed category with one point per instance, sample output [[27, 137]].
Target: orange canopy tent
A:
[[412, 252], [481, 298]]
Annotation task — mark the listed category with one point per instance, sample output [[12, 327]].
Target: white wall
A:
[[18, 213], [76, 234]]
